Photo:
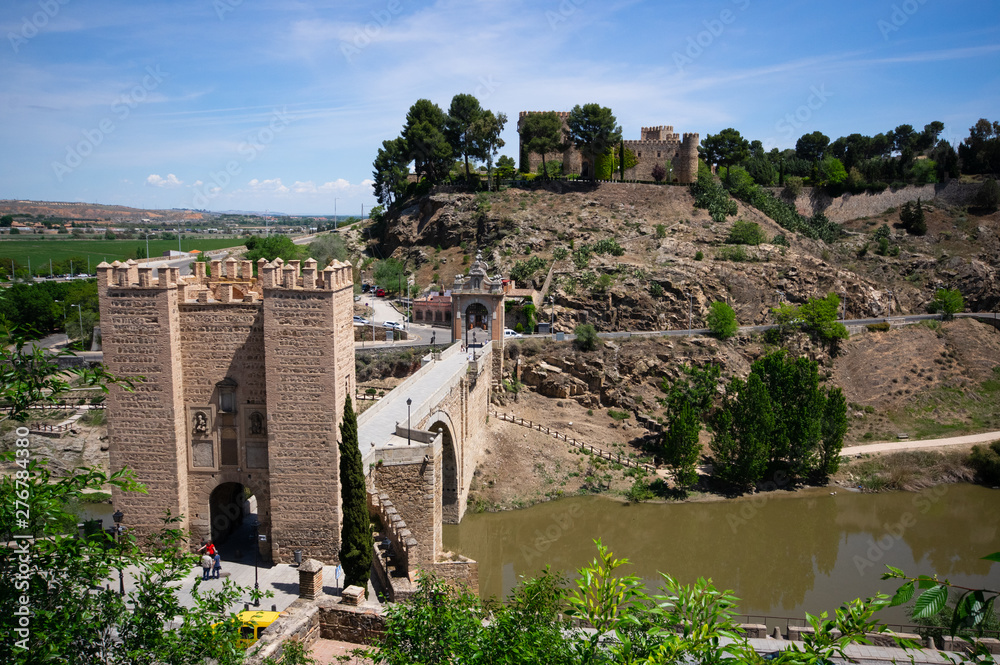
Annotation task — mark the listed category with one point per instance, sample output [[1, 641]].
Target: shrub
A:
[[781, 241], [659, 173], [699, 255], [618, 415], [878, 327], [986, 461], [793, 187], [713, 197], [947, 302], [722, 320], [912, 218], [526, 269], [655, 290], [608, 246], [661, 231], [988, 196], [586, 337], [560, 253], [745, 233]]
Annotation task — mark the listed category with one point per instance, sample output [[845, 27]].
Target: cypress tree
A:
[[680, 444], [356, 544]]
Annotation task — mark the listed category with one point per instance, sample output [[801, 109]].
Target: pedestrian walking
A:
[[217, 568], [210, 548], [206, 566]]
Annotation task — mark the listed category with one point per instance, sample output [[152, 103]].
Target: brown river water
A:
[[782, 553]]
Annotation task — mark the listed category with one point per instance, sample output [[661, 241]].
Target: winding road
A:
[[897, 446]]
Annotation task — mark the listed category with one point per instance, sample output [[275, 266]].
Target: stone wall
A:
[[146, 427], [244, 383], [414, 489], [853, 206], [305, 402], [365, 333]]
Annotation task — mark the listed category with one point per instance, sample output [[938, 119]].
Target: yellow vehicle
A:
[[252, 624]]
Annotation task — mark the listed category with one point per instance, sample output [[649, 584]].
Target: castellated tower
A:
[[242, 389], [656, 145]]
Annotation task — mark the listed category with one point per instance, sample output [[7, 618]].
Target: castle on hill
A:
[[658, 145]]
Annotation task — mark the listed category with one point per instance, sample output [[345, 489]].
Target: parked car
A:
[[365, 288], [511, 334], [393, 325], [361, 321], [380, 292]]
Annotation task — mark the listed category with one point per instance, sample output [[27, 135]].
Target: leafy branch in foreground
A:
[[30, 374], [971, 612]]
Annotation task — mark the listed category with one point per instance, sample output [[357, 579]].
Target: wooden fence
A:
[[586, 447]]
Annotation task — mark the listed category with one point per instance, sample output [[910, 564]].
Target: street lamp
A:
[[552, 317], [690, 311], [256, 557], [118, 517], [408, 403], [79, 311]]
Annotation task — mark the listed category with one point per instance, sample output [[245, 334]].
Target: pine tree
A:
[[356, 544]]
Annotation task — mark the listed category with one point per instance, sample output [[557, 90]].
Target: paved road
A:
[[895, 446]]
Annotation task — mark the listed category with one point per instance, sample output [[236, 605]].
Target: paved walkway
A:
[[863, 654], [895, 446], [377, 425]]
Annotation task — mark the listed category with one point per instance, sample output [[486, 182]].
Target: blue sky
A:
[[282, 104]]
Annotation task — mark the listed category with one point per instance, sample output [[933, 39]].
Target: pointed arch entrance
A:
[[478, 324]]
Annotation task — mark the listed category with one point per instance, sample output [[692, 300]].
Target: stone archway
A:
[[227, 509], [208, 500], [478, 324], [451, 512]]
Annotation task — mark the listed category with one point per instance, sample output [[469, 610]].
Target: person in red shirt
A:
[[210, 549]]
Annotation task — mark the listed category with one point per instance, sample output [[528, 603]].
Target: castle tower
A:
[[686, 162], [242, 392]]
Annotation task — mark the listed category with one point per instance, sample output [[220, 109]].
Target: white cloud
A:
[[271, 185], [169, 182]]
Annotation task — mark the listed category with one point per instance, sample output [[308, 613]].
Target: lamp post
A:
[[256, 557], [147, 252], [845, 307], [552, 316], [79, 311], [118, 517], [690, 311], [408, 403]]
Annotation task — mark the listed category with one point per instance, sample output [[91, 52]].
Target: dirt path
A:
[[895, 446]]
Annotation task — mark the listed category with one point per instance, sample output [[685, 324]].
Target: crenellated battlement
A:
[[229, 280]]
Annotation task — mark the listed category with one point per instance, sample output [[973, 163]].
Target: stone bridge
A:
[[420, 445]]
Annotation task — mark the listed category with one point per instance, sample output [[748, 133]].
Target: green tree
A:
[[911, 216], [391, 275], [833, 431], [726, 148], [271, 248], [542, 134], [722, 320], [594, 130], [356, 544], [832, 171], [6, 221], [947, 302], [818, 316], [988, 196], [743, 427], [327, 248], [426, 144], [391, 171], [506, 167], [746, 233], [812, 147], [486, 131], [681, 449], [459, 127], [586, 337]]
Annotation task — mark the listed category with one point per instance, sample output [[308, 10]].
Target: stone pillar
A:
[[230, 268], [145, 277], [216, 270], [353, 595], [199, 271], [246, 270], [310, 579]]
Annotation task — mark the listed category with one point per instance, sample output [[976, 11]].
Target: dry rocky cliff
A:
[[672, 249]]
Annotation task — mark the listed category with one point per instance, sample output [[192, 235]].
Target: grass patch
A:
[[62, 249], [911, 470], [949, 411], [617, 415]]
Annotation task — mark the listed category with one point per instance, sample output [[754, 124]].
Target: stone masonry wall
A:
[[415, 491], [853, 206], [141, 337], [304, 407]]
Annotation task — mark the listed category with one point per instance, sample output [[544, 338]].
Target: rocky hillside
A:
[[672, 249]]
